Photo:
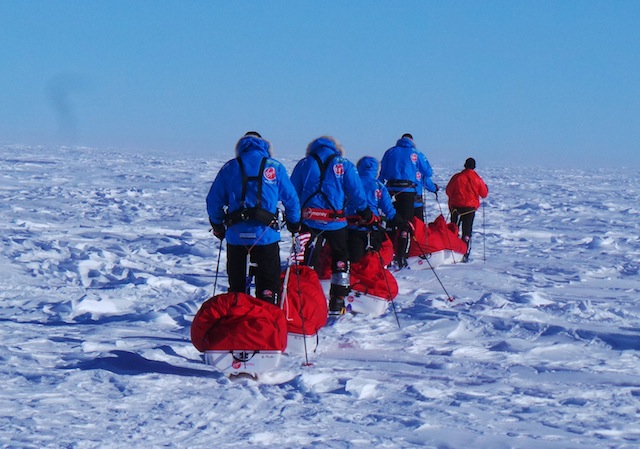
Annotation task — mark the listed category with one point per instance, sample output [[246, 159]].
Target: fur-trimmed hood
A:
[[324, 142], [252, 143]]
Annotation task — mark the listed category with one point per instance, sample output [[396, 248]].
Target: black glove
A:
[[366, 217], [293, 227], [437, 188], [399, 222], [219, 230]]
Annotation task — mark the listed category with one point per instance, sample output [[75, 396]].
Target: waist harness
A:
[[256, 212]]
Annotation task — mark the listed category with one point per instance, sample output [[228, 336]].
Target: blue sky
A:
[[553, 83]]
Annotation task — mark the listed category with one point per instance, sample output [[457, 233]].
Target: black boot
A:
[[336, 306]]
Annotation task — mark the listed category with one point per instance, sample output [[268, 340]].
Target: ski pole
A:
[[439, 205], [215, 282], [484, 238], [424, 255], [302, 320], [393, 304]]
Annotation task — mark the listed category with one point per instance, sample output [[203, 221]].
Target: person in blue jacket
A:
[[242, 207], [406, 172], [364, 238], [324, 180]]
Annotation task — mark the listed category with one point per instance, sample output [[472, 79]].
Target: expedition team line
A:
[[338, 213]]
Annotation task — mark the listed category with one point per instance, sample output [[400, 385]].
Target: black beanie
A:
[[253, 133], [470, 163], [407, 135]]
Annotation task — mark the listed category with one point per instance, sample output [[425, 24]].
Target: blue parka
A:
[[341, 182], [378, 196], [226, 192], [405, 163]]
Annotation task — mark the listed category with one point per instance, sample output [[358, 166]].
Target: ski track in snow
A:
[[106, 258]]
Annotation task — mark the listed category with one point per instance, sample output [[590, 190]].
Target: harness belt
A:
[[252, 213], [401, 183], [312, 213]]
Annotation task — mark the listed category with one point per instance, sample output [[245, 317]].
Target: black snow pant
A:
[[463, 217], [265, 268], [338, 243], [360, 241], [400, 236]]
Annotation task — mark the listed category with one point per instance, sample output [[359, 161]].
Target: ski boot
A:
[[336, 306]]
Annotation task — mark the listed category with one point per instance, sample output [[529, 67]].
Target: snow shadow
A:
[[133, 364]]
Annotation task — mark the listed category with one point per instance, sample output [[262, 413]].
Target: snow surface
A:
[[106, 257]]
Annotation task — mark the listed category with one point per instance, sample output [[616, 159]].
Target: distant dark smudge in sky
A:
[[62, 91]]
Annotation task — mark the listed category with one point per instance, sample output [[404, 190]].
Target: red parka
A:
[[464, 188]]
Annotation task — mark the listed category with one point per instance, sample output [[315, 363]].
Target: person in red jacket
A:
[[464, 190]]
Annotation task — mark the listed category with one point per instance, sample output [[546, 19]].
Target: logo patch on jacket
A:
[[270, 174], [338, 169], [414, 158]]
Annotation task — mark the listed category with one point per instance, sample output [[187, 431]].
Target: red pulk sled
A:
[[305, 308], [372, 285], [439, 242], [239, 333]]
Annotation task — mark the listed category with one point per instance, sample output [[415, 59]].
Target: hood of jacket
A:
[[368, 167], [405, 142], [324, 144], [249, 144]]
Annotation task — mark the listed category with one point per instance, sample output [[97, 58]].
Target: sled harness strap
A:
[[461, 214], [252, 213], [403, 184]]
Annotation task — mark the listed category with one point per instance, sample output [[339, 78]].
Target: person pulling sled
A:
[[242, 207], [370, 238], [406, 172], [464, 189], [324, 179]]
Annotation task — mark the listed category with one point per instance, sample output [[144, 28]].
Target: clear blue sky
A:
[[508, 82]]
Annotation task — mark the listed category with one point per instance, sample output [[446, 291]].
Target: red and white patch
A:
[[236, 364], [378, 194], [414, 158], [418, 175], [338, 169], [270, 173]]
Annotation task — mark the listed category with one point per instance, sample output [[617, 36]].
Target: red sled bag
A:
[[305, 308], [442, 236], [324, 259], [304, 303], [238, 322], [386, 251], [418, 245], [372, 286]]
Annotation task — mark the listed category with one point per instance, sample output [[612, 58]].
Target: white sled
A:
[[359, 302], [297, 344], [444, 257], [236, 362]]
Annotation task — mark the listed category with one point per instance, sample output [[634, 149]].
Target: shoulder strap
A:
[[323, 166], [246, 179]]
